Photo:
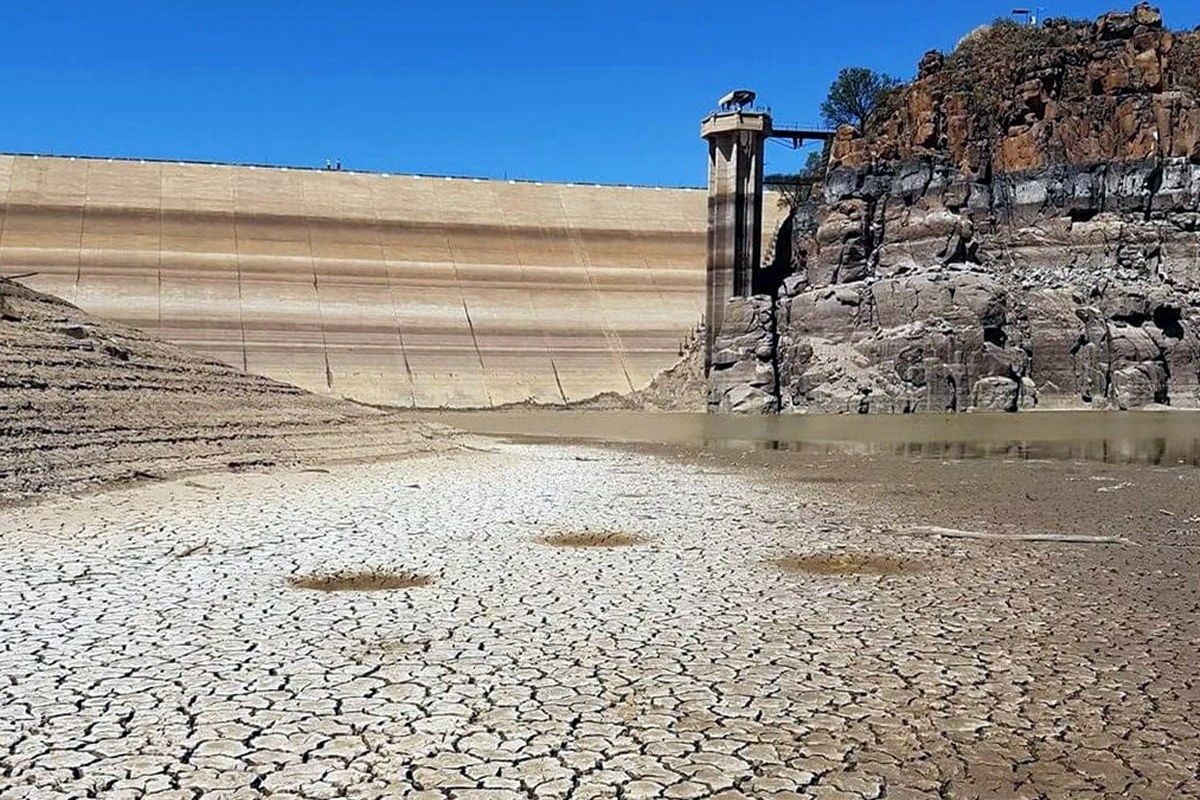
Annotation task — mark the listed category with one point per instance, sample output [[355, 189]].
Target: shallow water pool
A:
[[1113, 437]]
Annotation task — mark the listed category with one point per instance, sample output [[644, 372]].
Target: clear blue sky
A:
[[579, 90]]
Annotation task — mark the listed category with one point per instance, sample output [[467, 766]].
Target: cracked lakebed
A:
[[153, 644]]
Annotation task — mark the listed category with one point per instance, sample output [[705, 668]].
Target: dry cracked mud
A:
[[151, 644]]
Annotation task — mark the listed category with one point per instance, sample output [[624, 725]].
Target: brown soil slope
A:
[[84, 402]]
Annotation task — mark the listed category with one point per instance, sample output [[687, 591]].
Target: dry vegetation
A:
[[1183, 69], [362, 581], [843, 564], [991, 60], [579, 539]]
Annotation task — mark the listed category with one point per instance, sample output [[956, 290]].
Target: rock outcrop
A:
[[1022, 230]]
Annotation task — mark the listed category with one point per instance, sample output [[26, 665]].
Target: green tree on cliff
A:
[[855, 96]]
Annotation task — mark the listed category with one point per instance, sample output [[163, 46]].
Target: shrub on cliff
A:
[[990, 61]]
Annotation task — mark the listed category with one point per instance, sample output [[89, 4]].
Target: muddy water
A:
[[1120, 438]]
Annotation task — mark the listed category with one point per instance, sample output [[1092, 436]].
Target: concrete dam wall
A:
[[405, 290]]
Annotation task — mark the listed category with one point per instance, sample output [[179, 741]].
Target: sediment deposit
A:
[[399, 290], [86, 403], [759, 633], [1021, 229]]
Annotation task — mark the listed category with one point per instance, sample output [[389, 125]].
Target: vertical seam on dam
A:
[[160, 251], [530, 304], [7, 195], [376, 229], [412, 381], [312, 262], [83, 207], [558, 382], [615, 345], [237, 260], [462, 295], [478, 352]]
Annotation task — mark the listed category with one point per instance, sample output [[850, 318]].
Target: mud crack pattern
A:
[[151, 645]]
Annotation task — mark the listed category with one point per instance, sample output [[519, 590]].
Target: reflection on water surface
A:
[[1115, 437]]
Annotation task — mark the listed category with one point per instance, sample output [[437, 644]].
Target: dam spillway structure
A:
[[399, 290], [737, 134]]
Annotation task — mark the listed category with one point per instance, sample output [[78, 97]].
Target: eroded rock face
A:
[[742, 372], [1053, 261], [1080, 286], [1011, 98]]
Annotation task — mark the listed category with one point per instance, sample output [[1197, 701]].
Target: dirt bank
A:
[[85, 403]]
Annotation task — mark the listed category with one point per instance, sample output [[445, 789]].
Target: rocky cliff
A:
[[1020, 230]]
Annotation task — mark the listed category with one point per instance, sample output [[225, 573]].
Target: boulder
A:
[[1139, 385], [995, 394]]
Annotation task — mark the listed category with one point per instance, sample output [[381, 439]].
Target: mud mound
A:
[[365, 581], [84, 403], [843, 564], [682, 387], [582, 539]]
